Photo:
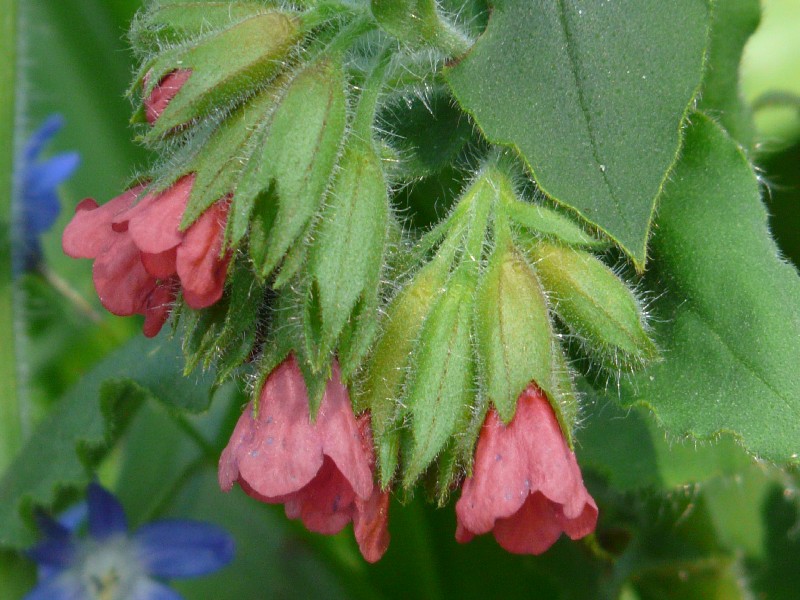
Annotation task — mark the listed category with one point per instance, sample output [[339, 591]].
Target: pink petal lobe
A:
[[371, 525], [198, 262], [89, 232], [325, 505], [532, 530], [155, 220], [160, 266], [157, 307], [121, 281], [343, 438], [278, 451], [162, 93]]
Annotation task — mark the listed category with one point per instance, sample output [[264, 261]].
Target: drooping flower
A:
[[321, 471], [142, 258], [526, 485], [37, 185], [111, 563], [162, 93]]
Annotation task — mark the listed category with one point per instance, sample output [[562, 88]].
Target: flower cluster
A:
[[526, 486], [111, 563], [142, 258]]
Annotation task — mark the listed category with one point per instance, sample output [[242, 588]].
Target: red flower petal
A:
[[165, 91], [89, 232], [371, 525], [155, 220], [278, 451], [161, 266], [198, 262], [158, 306], [121, 281]]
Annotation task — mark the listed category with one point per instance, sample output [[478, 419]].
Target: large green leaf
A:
[[729, 319], [592, 95], [631, 452], [79, 430]]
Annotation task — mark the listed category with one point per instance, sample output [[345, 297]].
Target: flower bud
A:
[[225, 65], [162, 93], [513, 332], [595, 304]]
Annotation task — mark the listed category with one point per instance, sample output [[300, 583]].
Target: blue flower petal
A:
[[106, 516], [58, 587], [74, 516], [147, 589], [180, 548], [40, 137], [57, 553], [51, 528], [47, 175]]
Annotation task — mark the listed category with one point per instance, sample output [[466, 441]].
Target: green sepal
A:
[[512, 330], [225, 66], [546, 222], [564, 398], [349, 242], [218, 158], [224, 334], [419, 23], [298, 155], [456, 460], [596, 305], [441, 383], [170, 23], [287, 337], [389, 363]]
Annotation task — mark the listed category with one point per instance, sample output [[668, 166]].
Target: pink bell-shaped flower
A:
[[141, 258], [526, 486], [321, 471]]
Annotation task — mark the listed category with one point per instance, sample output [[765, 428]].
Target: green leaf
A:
[[729, 318], [350, 240], [732, 23], [632, 452], [440, 386], [592, 95], [387, 369], [11, 433], [70, 441], [512, 330]]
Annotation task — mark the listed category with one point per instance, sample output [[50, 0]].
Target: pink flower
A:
[[320, 471], [162, 93], [526, 486], [142, 259]]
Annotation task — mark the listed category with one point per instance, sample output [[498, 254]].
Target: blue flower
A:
[[37, 183], [111, 564]]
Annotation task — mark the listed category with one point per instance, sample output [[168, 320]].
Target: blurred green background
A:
[[73, 60]]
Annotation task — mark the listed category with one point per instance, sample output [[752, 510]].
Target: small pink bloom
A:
[[526, 485], [162, 93], [142, 259], [320, 471]]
